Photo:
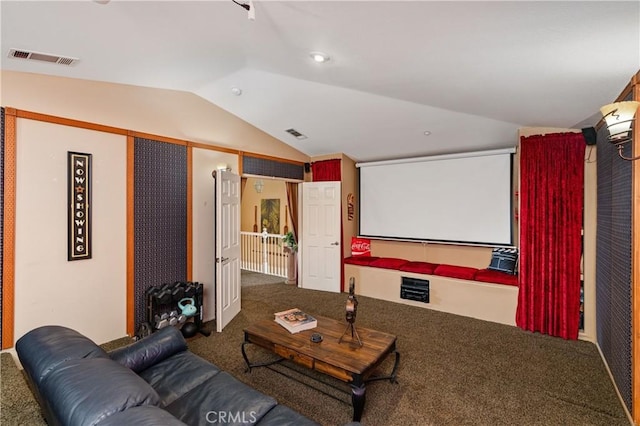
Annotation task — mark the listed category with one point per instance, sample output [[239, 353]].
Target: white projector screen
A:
[[458, 198]]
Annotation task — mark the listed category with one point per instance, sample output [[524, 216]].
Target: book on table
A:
[[295, 320]]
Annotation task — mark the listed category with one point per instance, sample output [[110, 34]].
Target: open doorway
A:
[[266, 218]]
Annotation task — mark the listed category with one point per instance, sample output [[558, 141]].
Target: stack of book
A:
[[295, 320]]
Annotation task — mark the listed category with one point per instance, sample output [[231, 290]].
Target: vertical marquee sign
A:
[[79, 214]]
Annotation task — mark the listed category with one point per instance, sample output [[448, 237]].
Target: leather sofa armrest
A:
[[86, 391], [150, 350], [46, 348]]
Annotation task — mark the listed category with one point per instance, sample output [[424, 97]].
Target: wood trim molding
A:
[[69, 122], [189, 213], [635, 80], [9, 229], [213, 148], [635, 259], [157, 138], [130, 236], [120, 131]]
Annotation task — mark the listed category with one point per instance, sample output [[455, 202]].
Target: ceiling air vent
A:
[[296, 133], [43, 57]]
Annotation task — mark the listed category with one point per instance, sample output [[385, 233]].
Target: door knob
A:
[[335, 244]]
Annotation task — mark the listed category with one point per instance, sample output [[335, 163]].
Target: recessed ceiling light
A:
[[427, 133], [319, 57], [236, 91]]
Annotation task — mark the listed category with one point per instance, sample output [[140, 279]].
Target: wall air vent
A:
[[43, 57], [296, 133]]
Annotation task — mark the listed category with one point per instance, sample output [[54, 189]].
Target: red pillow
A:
[[491, 276], [360, 246], [419, 267], [360, 260], [388, 263], [453, 271]]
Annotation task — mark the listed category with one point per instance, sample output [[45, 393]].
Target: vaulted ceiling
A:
[[468, 73]]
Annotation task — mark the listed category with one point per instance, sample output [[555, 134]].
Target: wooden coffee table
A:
[[346, 361]]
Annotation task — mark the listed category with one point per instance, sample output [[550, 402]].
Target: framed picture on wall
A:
[[270, 215]]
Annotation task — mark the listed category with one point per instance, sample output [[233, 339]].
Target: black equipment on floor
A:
[[178, 304]]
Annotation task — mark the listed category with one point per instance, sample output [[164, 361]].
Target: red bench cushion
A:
[[388, 263], [491, 276], [360, 260], [419, 267], [453, 271]]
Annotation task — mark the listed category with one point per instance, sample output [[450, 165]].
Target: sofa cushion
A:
[[388, 263], [177, 375], [419, 267], [142, 415], [43, 349], [150, 350], [85, 391], [491, 276], [281, 415], [222, 399], [360, 260], [504, 260], [454, 271]]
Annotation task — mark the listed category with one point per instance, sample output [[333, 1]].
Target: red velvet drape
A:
[[552, 181], [327, 170]]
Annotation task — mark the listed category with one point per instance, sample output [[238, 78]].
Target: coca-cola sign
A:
[[360, 246]]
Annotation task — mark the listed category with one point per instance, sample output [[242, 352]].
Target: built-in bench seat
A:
[[478, 293]]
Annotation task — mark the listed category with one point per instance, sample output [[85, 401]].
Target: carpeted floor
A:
[[249, 279], [453, 370]]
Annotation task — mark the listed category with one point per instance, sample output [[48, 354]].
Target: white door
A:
[[321, 236], [227, 247]]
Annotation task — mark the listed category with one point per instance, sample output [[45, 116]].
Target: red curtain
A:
[[551, 191], [327, 170]]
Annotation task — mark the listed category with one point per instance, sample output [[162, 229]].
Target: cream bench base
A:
[[475, 299]]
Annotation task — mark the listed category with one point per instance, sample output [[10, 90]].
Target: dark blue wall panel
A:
[[613, 264], [272, 168], [160, 188]]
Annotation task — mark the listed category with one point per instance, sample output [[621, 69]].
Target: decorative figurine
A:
[[351, 310]]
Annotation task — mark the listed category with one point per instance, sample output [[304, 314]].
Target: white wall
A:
[[204, 162], [87, 295]]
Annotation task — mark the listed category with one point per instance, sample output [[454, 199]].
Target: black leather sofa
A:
[[154, 381]]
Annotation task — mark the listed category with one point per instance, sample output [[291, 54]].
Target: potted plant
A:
[[289, 241], [290, 247]]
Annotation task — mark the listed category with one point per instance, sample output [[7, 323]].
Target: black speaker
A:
[[307, 167], [590, 135]]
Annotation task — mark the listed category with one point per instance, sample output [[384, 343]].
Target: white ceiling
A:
[[471, 73]]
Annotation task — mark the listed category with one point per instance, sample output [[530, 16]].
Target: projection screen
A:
[[456, 198]]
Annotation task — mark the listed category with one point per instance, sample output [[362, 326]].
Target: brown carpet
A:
[[250, 278], [453, 370]]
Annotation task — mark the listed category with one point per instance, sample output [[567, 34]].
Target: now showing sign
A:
[[79, 214]]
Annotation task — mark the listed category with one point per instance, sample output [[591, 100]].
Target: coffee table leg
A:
[[253, 365], [358, 393], [246, 360]]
